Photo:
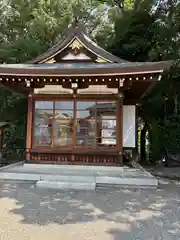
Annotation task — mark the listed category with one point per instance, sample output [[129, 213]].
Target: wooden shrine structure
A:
[[81, 101]]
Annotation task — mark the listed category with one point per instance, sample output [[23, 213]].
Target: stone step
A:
[[110, 187], [64, 176], [79, 170], [47, 177], [71, 168], [59, 173], [68, 178], [127, 182], [66, 185], [98, 180]]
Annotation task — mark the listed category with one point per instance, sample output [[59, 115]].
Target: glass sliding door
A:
[[85, 124], [108, 130], [88, 124], [43, 118], [63, 123], [106, 124]]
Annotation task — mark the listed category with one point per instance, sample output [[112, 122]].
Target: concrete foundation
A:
[[79, 177]]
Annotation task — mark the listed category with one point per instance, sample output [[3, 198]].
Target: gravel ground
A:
[[30, 213]]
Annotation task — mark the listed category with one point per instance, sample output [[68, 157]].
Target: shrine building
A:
[[82, 101]]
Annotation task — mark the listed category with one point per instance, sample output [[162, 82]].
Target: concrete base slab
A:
[[63, 176], [131, 182], [66, 185], [48, 177]]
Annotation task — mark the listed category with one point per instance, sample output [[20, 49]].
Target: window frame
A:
[[34, 126], [74, 110]]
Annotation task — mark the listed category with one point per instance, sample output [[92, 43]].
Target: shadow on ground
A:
[[144, 214]]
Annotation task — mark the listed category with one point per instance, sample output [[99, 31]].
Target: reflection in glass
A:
[[43, 105], [85, 105], [107, 130], [88, 124], [107, 138], [63, 114], [106, 142], [84, 114], [64, 105], [63, 128], [84, 140], [43, 127], [105, 108], [85, 131], [108, 122], [94, 122], [59, 142]]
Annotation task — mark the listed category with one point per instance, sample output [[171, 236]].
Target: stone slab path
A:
[[165, 172], [28, 213]]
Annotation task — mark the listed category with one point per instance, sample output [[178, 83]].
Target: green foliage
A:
[[29, 28], [13, 109], [122, 4], [13, 144], [156, 141], [146, 33], [136, 30], [150, 32], [133, 36], [171, 134]]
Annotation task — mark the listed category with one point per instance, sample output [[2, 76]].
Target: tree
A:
[[29, 28], [136, 30], [149, 31]]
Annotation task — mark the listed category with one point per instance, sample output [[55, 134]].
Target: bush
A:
[[171, 133]]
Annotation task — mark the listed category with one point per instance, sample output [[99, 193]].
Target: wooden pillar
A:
[[29, 127], [119, 128], [73, 156]]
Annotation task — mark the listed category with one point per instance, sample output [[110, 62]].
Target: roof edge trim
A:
[[83, 75]]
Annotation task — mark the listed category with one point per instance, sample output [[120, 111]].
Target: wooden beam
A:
[[71, 96], [29, 127]]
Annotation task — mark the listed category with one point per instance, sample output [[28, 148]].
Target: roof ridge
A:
[[77, 30]]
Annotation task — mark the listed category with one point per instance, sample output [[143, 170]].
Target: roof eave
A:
[[158, 67]]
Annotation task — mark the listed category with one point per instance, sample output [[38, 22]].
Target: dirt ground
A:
[[28, 213]]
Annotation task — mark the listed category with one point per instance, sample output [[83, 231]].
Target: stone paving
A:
[[78, 177], [165, 172], [28, 213], [86, 170]]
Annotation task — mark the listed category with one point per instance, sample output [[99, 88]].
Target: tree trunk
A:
[[150, 159], [143, 143], [175, 104]]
